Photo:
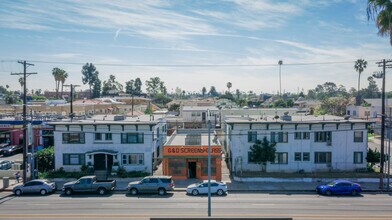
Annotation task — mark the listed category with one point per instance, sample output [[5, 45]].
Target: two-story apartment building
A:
[[134, 143], [303, 143]]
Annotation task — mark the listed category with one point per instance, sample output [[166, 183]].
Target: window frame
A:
[[297, 156], [277, 158], [307, 155], [252, 136], [125, 138], [355, 161], [67, 159], [66, 138], [318, 157], [358, 139], [128, 159]]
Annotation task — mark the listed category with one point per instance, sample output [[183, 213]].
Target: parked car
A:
[[35, 186], [10, 150], [3, 145], [339, 187], [152, 184], [89, 184], [219, 188], [5, 164]]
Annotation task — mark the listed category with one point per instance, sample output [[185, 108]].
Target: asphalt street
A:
[[121, 206]]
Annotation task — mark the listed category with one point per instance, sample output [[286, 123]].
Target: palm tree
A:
[[360, 66], [57, 74], [229, 85], [21, 82], [63, 77], [381, 12], [280, 62]]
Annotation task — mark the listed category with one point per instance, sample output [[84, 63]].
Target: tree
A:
[[174, 107], [90, 75], [360, 66], [45, 159], [130, 87], [58, 75], [155, 86], [203, 91], [372, 90], [373, 156], [237, 93], [138, 86], [280, 103], [63, 77], [262, 152], [381, 12], [161, 99], [213, 92], [228, 85], [96, 88], [334, 106], [111, 85], [21, 82]]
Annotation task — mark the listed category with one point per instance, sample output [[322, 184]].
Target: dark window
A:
[[322, 157], [306, 135], [323, 136], [279, 137], [358, 136], [98, 136], [132, 138], [164, 180], [297, 135], [214, 184], [306, 156], [297, 156], [204, 167], [252, 136], [176, 167], [281, 158], [74, 159], [73, 138], [133, 159], [358, 157], [108, 136]]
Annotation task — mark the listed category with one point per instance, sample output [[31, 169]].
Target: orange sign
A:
[[191, 151]]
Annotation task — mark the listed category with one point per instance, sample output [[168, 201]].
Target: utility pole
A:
[[381, 75], [25, 74], [71, 114], [280, 78], [209, 162]]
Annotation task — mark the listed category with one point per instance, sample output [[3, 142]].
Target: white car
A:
[[218, 188]]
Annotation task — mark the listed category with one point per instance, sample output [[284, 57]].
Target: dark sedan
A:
[[10, 150], [339, 187]]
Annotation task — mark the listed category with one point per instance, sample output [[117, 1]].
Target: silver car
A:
[[5, 164], [218, 188], [35, 186]]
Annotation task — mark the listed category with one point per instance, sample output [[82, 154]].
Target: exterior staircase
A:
[[101, 174]]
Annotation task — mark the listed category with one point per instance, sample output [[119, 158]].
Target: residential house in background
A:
[[134, 143], [303, 143]]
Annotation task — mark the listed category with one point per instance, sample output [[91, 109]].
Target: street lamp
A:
[[280, 79]]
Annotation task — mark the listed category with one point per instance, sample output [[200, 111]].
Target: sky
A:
[[192, 44]]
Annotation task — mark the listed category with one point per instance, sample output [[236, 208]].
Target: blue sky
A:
[[241, 33]]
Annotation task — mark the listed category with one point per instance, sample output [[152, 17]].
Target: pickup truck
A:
[[89, 184]]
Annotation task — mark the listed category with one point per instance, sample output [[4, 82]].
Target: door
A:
[[84, 185], [99, 162], [203, 116], [143, 187], [27, 188], [191, 169], [153, 185]]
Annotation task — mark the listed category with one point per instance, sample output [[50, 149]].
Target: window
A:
[[358, 157], [281, 158], [306, 135], [204, 167], [279, 137], [74, 159], [354, 113], [133, 159], [108, 136], [301, 135], [306, 156], [73, 138], [323, 136], [297, 135], [250, 158], [358, 136], [348, 112], [132, 138], [297, 156], [252, 136], [154, 180], [98, 136], [176, 167], [322, 157]]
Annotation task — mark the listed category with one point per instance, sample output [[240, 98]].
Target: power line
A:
[[191, 65]]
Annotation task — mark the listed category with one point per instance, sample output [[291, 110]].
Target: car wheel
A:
[[195, 192], [328, 192], [134, 191], [68, 192], [220, 192], [18, 192], [161, 191], [354, 192], [101, 191], [42, 192]]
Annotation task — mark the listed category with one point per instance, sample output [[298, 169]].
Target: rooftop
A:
[[114, 119], [192, 139]]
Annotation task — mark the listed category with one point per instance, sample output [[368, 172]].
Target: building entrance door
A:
[[103, 162], [191, 169]]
